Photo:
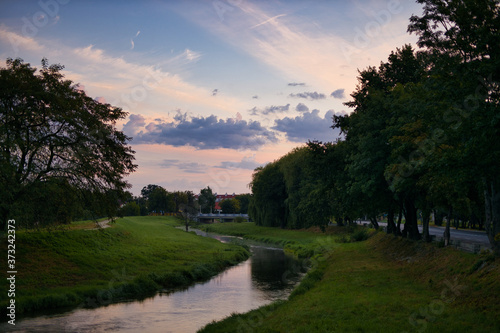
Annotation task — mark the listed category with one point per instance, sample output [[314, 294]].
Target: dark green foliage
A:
[[207, 200], [360, 235], [239, 219], [267, 207], [298, 190], [424, 136], [53, 134], [230, 206], [244, 200], [130, 209]]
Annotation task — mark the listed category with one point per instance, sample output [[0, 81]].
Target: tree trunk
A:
[[411, 225], [492, 213], [391, 227], [398, 226], [339, 221], [426, 214], [374, 222], [446, 234]]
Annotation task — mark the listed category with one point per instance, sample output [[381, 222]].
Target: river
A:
[[268, 275]]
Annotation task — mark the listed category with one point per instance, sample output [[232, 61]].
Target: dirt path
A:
[[102, 225]]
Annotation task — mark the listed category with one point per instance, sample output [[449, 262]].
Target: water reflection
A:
[[265, 277]]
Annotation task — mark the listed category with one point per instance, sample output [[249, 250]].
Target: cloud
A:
[[270, 109], [339, 93], [132, 40], [17, 42], [294, 45], [130, 85], [268, 21], [301, 107], [191, 55], [189, 167], [133, 126], [255, 97], [247, 162], [309, 95], [200, 132], [294, 84], [308, 126], [215, 92]]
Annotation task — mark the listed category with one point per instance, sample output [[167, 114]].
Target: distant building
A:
[[221, 197]]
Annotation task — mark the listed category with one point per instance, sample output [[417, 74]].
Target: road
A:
[[472, 236]]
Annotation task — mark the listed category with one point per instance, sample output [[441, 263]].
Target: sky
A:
[[212, 88]]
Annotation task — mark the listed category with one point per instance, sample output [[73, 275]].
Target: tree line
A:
[[423, 137], [155, 199]]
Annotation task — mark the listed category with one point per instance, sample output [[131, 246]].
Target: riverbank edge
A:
[[141, 287], [481, 271]]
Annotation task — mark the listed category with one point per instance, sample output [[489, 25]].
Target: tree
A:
[[158, 200], [207, 200], [147, 190], [267, 207], [130, 209], [51, 131], [230, 206], [189, 208], [373, 179], [462, 39], [244, 200]]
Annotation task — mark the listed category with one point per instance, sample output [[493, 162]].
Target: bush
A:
[[359, 235], [130, 209]]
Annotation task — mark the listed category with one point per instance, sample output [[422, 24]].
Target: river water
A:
[[268, 275]]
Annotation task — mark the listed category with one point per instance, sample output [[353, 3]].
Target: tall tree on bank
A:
[[369, 131], [51, 131], [462, 38], [267, 207]]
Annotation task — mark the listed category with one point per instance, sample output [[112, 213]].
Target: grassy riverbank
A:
[[384, 284], [133, 258]]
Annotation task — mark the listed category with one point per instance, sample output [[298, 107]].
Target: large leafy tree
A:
[[244, 200], [369, 131], [230, 206], [52, 133], [207, 200], [462, 39], [267, 207]]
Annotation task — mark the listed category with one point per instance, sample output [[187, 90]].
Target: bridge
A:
[[211, 218]]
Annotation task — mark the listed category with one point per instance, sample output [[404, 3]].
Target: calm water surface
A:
[[267, 276]]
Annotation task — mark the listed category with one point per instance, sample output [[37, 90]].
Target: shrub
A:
[[359, 235]]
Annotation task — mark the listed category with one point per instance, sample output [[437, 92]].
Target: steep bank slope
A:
[[132, 259], [384, 284]]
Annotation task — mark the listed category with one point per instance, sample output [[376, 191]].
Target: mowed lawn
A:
[[133, 258]]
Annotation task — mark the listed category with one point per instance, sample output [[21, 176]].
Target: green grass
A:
[[384, 284], [133, 258], [303, 243]]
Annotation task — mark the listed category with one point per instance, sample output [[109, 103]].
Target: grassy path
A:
[[383, 284], [133, 258]]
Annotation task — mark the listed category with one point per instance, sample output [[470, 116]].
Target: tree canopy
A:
[[423, 136], [56, 140]]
